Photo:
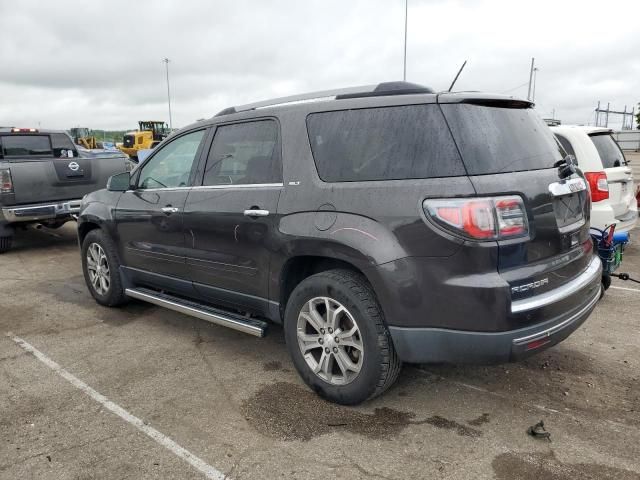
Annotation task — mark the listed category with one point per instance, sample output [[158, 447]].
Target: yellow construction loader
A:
[[149, 134], [82, 136]]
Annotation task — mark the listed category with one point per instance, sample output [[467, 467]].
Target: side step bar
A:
[[251, 326]]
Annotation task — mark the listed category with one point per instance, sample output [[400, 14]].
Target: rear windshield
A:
[[499, 140], [609, 151], [26, 146], [388, 143]]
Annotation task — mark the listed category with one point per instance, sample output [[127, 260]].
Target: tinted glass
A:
[[244, 153], [499, 140], [610, 153], [62, 146], [26, 145], [566, 144], [170, 167], [390, 143]]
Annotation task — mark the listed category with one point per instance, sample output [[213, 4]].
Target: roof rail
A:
[[381, 89]]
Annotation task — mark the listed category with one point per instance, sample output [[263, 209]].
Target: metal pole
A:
[[530, 78], [598, 114], [406, 14], [166, 62], [535, 75], [606, 118]]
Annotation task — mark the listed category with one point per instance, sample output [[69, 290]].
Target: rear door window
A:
[[244, 153], [609, 151], [500, 140], [26, 146], [387, 143]]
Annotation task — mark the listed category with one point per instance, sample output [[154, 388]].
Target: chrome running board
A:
[[251, 326]]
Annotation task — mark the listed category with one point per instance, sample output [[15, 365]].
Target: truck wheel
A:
[[337, 339], [5, 244], [100, 266]]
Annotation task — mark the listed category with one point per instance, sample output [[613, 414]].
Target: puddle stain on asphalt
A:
[[476, 422], [276, 411], [272, 366], [446, 424], [534, 466]]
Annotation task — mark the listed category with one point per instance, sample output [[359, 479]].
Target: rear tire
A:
[[101, 269], [340, 304], [5, 244]]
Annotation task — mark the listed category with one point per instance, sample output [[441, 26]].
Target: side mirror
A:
[[119, 183]]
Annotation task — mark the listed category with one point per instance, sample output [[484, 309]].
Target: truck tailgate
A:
[[48, 179]]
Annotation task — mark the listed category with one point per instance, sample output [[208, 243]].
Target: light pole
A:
[[166, 62], [406, 12], [535, 75]]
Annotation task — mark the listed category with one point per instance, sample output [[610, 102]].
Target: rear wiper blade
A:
[[566, 167]]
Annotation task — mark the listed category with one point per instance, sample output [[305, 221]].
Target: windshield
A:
[[500, 140], [609, 151]]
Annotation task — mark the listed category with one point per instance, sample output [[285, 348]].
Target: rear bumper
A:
[[441, 345], [42, 211]]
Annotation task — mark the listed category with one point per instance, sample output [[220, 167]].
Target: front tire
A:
[[337, 338], [100, 266]]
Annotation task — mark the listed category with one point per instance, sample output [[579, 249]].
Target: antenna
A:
[[457, 75]]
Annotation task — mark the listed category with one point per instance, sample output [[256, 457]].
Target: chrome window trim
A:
[[207, 187], [239, 185], [593, 271]]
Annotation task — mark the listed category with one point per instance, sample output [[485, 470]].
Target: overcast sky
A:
[[99, 63]]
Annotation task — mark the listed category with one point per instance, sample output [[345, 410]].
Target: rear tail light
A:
[[24, 130], [598, 185], [6, 183], [492, 218]]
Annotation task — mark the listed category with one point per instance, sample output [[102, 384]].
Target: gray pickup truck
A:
[[43, 178]]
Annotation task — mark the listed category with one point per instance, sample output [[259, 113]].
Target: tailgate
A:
[[619, 176], [510, 151], [621, 190], [48, 179]]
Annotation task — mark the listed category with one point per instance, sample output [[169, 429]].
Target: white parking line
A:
[[199, 464], [625, 288]]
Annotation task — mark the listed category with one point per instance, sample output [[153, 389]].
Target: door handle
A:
[[169, 210], [255, 212]]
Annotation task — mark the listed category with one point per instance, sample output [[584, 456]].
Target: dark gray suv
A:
[[378, 225]]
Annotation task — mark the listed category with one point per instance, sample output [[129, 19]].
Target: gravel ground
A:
[[235, 402]]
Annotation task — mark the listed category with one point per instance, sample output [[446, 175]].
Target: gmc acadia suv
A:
[[378, 225]]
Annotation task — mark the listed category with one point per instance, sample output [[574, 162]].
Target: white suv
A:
[[605, 167]]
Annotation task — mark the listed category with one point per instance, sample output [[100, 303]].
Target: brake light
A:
[[24, 130], [598, 185], [6, 183], [491, 218]]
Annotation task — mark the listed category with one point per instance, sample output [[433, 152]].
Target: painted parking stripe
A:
[[208, 471], [625, 288]]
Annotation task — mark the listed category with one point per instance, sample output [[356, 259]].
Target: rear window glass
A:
[[26, 145], [499, 140], [609, 152], [389, 143]]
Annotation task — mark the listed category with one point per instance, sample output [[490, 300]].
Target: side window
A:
[[62, 146], [566, 144], [388, 143], [244, 153], [170, 167]]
